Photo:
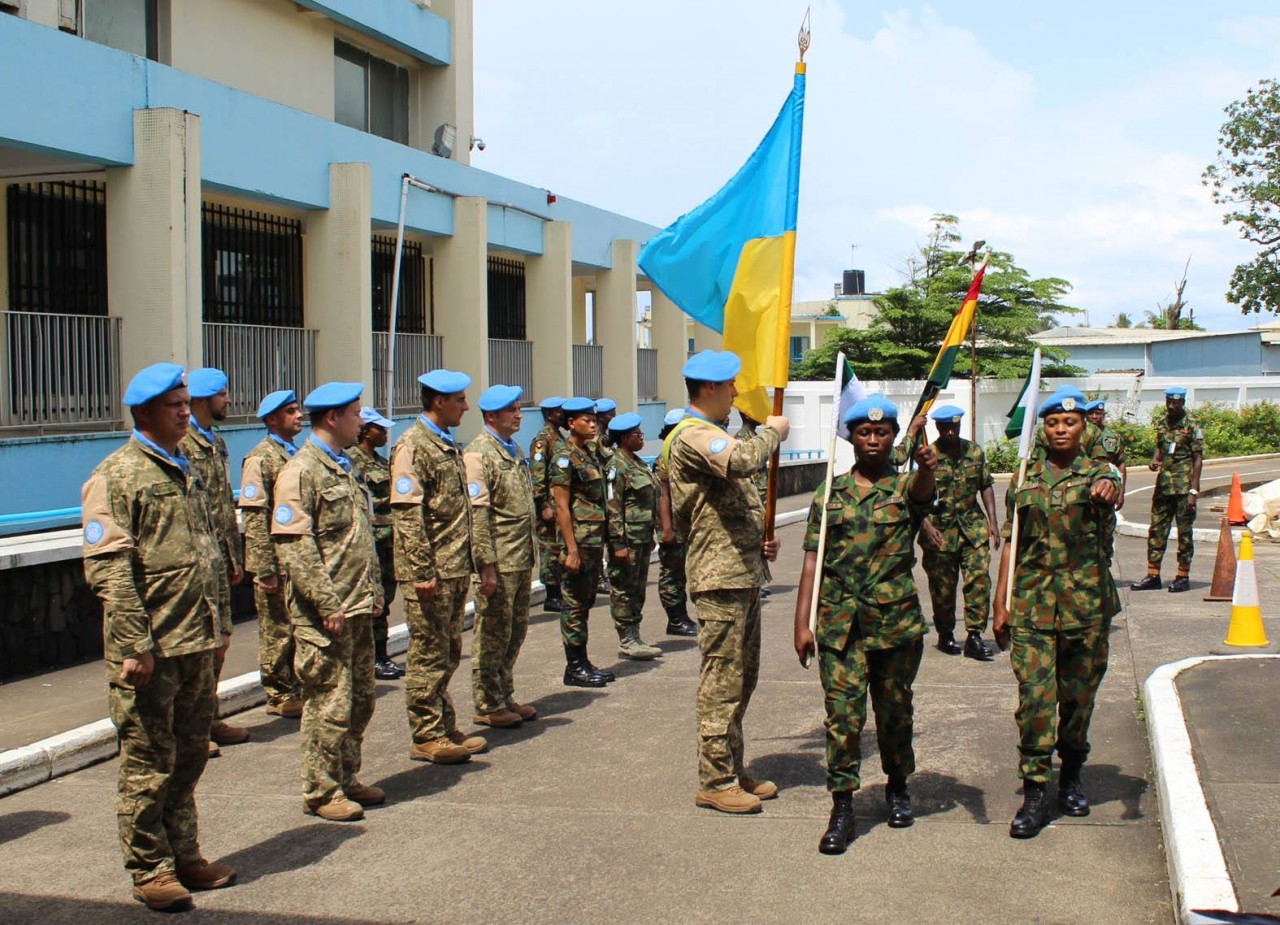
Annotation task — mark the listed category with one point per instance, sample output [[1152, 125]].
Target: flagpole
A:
[[1013, 537], [1026, 446], [826, 496]]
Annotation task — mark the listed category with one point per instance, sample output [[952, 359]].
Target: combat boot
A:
[[365, 794], [336, 809], [947, 644], [439, 751], [576, 672], [523, 710], [760, 789], [384, 669], [730, 800], [976, 649], [1071, 798], [498, 719], [608, 676], [631, 646], [163, 893], [899, 802], [201, 875], [1150, 583], [553, 602], [1179, 584], [474, 745], [1034, 814], [289, 708], [227, 734], [678, 622], [840, 829]]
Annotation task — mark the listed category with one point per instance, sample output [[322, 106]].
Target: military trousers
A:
[[502, 622], [729, 640], [338, 697], [1165, 509], [848, 676], [579, 590], [381, 629], [945, 570], [550, 570], [671, 577], [275, 644], [435, 649], [163, 733], [1108, 531], [1058, 671], [628, 585]]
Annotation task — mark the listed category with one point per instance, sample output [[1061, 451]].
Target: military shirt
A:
[[430, 506], [633, 502], [257, 496], [578, 469], [502, 513], [1178, 444], [324, 538], [151, 554], [1061, 579], [761, 479], [716, 506], [210, 461], [377, 479], [542, 453], [868, 591], [958, 515]]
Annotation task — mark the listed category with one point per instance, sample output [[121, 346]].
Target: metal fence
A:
[[57, 247], [588, 370], [259, 359], [415, 354], [59, 370], [647, 372], [511, 363], [251, 267]]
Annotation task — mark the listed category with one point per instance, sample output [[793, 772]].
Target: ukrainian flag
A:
[[729, 263]]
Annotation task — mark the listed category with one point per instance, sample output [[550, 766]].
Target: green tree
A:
[[912, 319], [1122, 320], [1246, 179]]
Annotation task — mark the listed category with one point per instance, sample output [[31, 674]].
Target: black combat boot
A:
[[553, 602], [899, 801], [678, 622], [1150, 583], [1180, 583], [947, 644], [576, 672], [603, 673], [1034, 814], [976, 649], [1071, 798], [840, 829]]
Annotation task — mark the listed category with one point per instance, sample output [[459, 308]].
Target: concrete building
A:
[[1157, 352]]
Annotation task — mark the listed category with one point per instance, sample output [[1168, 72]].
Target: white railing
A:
[[59, 370], [259, 359], [415, 354], [647, 372], [588, 370], [511, 363]]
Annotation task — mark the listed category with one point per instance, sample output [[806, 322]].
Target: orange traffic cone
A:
[[1235, 504], [1224, 567], [1245, 628]]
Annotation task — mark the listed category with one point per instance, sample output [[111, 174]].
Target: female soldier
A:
[[870, 631], [633, 510], [1063, 602]]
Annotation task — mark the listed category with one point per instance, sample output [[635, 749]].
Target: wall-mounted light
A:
[[446, 139]]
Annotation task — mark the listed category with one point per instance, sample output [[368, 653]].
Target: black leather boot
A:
[[840, 830], [576, 672], [947, 644], [603, 673], [553, 602], [678, 622], [976, 649], [1034, 814], [1071, 798], [1180, 583], [899, 801], [1150, 583]]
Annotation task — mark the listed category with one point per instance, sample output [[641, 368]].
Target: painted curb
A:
[[1129, 528]]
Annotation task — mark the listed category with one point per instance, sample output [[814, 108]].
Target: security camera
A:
[[477, 142]]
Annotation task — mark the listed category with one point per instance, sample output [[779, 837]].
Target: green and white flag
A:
[[847, 391], [1025, 410]]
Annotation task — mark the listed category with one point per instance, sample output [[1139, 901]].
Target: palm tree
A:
[[1122, 320]]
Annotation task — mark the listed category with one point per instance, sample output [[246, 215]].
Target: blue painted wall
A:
[[1096, 357], [1222, 355], [399, 23]]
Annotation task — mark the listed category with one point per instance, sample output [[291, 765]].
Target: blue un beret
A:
[[206, 382], [151, 381], [497, 397], [578, 405], [674, 416], [551, 404], [373, 416], [712, 366], [1093, 405], [1064, 398], [875, 407], [445, 381], [948, 414], [332, 395], [625, 422], [605, 405], [274, 401], [1175, 391]]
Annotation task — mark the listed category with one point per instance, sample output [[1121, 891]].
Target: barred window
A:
[[58, 247], [506, 299], [412, 315], [252, 267]]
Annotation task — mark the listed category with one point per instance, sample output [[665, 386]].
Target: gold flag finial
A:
[[803, 38]]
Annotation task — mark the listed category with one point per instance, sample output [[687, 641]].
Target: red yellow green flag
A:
[[957, 334]]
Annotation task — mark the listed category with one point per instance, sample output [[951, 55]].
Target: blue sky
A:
[[1070, 134]]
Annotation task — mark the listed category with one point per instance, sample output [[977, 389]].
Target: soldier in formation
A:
[[542, 452], [671, 546], [1178, 458], [633, 514], [1096, 413]]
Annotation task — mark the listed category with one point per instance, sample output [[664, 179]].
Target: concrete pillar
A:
[[338, 266], [548, 283], [153, 242], [669, 339], [447, 94], [616, 324], [581, 284], [462, 298]]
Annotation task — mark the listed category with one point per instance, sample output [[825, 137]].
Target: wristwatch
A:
[[1195, 491]]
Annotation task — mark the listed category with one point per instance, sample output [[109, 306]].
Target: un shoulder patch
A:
[[718, 445], [284, 514], [563, 462], [613, 474], [93, 532], [473, 490], [249, 491], [537, 457], [404, 485]]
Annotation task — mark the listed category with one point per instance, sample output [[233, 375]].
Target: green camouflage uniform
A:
[[578, 470], [152, 556], [1063, 602], [433, 540], [377, 478], [502, 519], [715, 505], [671, 576], [324, 535], [870, 628], [542, 453], [633, 509], [275, 633], [1114, 448], [966, 547], [1180, 442]]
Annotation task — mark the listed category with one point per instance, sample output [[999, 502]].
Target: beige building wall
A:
[[447, 94], [581, 286], [616, 324], [549, 303], [667, 334]]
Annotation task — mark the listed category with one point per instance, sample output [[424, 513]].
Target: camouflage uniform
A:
[[578, 470], [152, 555], [502, 524], [1063, 602], [671, 556], [1173, 489], [966, 547], [542, 452], [1114, 448], [633, 509], [321, 524], [870, 628], [275, 634], [433, 541], [377, 478], [715, 505]]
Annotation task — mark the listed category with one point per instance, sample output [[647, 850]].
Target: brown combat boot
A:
[[523, 710], [289, 708], [365, 794], [473, 744], [201, 875], [227, 734], [729, 800], [760, 789], [439, 751], [337, 809], [163, 893], [499, 719]]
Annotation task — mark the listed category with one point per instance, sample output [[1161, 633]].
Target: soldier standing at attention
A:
[[322, 524], [1179, 456], [956, 534], [282, 415], [633, 510], [671, 546], [376, 471], [580, 492], [432, 512], [502, 519], [1063, 602], [603, 447], [719, 510], [1096, 413], [152, 556], [207, 453], [542, 451], [870, 632]]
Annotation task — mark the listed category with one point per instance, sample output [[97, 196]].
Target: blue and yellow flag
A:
[[729, 263]]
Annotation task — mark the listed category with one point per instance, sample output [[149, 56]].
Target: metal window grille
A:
[[252, 267], [411, 316], [647, 372], [506, 299], [58, 247], [588, 370]]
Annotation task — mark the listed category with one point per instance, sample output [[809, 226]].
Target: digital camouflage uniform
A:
[[1179, 443], [433, 541], [716, 506], [377, 478], [1114, 448], [502, 535], [966, 546], [671, 574], [760, 481], [633, 510], [542, 453], [1063, 602], [275, 633], [577, 469], [870, 627], [152, 557]]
